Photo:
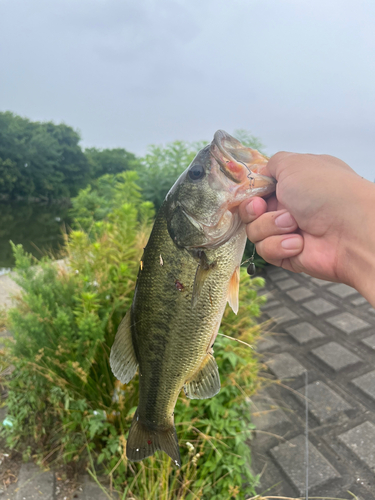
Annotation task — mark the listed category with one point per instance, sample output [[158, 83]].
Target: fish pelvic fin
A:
[[122, 358], [234, 290], [205, 382], [143, 441]]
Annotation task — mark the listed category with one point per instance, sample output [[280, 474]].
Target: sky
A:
[[298, 74]]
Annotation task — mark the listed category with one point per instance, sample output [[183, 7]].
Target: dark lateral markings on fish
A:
[[198, 238]]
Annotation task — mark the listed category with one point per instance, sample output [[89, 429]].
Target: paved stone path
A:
[[326, 331]]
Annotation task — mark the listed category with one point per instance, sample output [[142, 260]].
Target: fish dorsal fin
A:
[[234, 290], [205, 382], [122, 359]]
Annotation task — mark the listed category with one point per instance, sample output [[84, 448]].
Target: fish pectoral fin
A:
[[143, 441], [200, 277], [234, 290], [203, 270], [122, 359], [205, 383]]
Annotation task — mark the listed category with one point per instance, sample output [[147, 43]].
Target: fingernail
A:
[[293, 243], [284, 221], [250, 209]]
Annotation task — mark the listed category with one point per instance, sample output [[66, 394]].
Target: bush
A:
[[66, 406]]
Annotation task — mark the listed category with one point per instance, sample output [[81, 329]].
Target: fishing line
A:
[[306, 438], [236, 340]]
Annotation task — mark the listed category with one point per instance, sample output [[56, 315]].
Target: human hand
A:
[[317, 220]]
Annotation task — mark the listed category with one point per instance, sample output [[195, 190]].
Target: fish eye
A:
[[196, 172]]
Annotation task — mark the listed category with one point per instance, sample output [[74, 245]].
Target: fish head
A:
[[202, 206]]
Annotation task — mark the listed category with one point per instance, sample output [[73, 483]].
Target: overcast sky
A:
[[299, 74]]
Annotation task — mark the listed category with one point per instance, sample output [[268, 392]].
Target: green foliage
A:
[[106, 194], [109, 161], [155, 175], [162, 165], [64, 402], [40, 159]]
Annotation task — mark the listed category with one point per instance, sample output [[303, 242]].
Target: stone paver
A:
[[369, 342], [266, 414], [266, 344], [290, 457], [329, 331], [279, 275], [335, 356], [348, 323], [271, 304], [342, 291], [360, 441], [319, 306], [284, 366], [282, 315], [304, 332], [359, 302], [300, 293], [366, 383], [34, 484], [89, 490], [323, 403], [286, 284], [319, 282]]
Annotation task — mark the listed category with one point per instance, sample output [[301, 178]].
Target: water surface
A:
[[38, 227]]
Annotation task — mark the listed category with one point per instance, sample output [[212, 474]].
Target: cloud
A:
[[297, 73]]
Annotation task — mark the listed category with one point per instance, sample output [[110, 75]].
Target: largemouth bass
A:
[[189, 270]]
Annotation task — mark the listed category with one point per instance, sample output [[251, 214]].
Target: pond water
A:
[[38, 227]]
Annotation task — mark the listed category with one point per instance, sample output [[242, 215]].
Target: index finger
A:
[[276, 164]]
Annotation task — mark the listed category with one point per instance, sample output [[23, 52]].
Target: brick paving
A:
[[327, 331]]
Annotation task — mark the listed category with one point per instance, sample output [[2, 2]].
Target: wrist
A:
[[359, 258]]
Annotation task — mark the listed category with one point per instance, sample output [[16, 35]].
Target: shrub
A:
[[66, 406]]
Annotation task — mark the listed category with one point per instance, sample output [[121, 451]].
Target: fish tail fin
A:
[[144, 441]]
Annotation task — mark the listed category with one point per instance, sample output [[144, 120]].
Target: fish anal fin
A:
[[234, 290], [122, 359], [143, 441], [205, 383]]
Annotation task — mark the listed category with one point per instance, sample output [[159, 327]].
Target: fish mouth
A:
[[242, 165]]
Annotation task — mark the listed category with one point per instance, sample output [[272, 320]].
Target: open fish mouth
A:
[[242, 165]]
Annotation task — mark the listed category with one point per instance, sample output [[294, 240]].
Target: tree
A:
[[41, 159], [109, 161]]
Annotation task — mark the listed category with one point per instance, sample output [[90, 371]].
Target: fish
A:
[[189, 270]]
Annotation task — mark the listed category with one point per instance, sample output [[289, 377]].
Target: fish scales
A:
[[189, 270], [172, 337]]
